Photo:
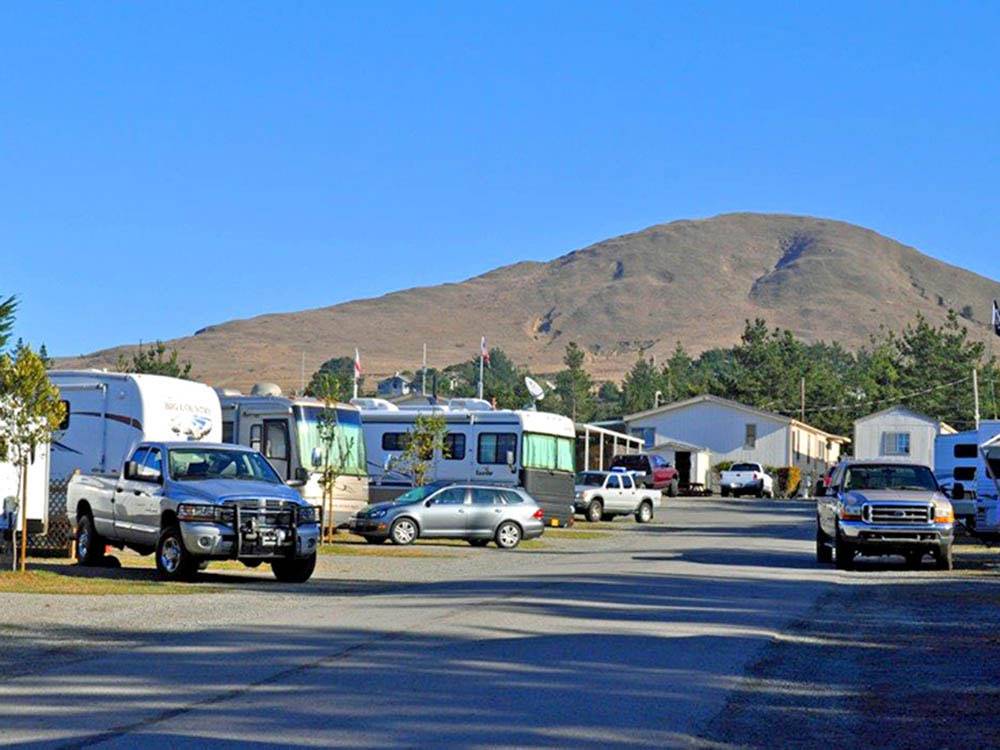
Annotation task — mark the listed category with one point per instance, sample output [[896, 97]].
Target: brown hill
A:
[[688, 281]]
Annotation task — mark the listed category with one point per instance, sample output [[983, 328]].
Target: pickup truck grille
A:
[[897, 514], [272, 513]]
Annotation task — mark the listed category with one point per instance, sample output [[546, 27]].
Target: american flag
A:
[[357, 364], [484, 352], [996, 318]]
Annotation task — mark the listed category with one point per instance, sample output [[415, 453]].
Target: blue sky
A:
[[170, 165]]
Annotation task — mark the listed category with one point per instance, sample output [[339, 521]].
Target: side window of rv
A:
[[494, 447], [966, 450], [454, 446], [64, 425], [227, 432], [965, 473], [255, 434], [395, 441]]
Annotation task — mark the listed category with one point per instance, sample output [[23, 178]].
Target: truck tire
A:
[[844, 554], [724, 492], [294, 569], [824, 553], [173, 561], [645, 512], [672, 488], [595, 511], [943, 558], [89, 544], [759, 492]]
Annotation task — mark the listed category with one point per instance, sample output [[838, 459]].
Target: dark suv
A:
[[652, 472]]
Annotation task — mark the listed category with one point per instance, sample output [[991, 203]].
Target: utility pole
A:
[[975, 394], [802, 400]]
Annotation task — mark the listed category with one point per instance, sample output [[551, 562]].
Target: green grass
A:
[[574, 532], [50, 582]]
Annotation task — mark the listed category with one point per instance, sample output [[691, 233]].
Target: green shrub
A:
[[786, 481]]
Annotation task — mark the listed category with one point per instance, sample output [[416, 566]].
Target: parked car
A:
[[602, 495], [194, 502], [478, 513], [746, 479], [653, 472], [883, 508]]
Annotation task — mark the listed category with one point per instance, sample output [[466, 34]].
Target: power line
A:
[[871, 402]]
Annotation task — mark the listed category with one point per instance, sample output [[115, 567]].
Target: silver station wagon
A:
[[478, 513]]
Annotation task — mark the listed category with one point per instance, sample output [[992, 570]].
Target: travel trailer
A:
[[988, 490], [533, 450], [38, 490], [287, 431], [107, 414], [958, 460]]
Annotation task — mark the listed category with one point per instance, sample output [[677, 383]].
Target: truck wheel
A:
[[595, 511], [294, 569], [672, 489], [724, 492], [944, 558], [89, 545], [173, 562], [508, 535], [844, 554], [403, 531], [824, 553], [645, 512]]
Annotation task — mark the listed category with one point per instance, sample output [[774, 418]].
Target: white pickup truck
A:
[[602, 495], [746, 479]]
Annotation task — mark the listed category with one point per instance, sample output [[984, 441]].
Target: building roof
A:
[[709, 398], [674, 444], [943, 427]]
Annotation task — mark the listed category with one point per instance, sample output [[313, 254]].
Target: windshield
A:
[[890, 477], [345, 451], [196, 464], [744, 467], [419, 493], [590, 479]]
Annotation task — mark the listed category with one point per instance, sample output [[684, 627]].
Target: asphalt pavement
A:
[[712, 627]]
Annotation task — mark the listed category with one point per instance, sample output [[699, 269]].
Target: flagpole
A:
[[482, 359], [357, 366]]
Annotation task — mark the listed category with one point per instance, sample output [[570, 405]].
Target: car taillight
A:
[[755, 475], [539, 514]]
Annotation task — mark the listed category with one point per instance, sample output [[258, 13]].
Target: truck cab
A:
[[192, 502]]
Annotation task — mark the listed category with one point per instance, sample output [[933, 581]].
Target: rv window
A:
[[395, 441], [255, 437], [64, 425], [965, 473], [227, 432], [454, 446], [966, 450], [494, 447]]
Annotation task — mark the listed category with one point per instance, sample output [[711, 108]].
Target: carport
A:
[[596, 446]]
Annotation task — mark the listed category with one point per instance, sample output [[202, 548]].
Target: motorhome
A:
[[288, 432], [988, 490], [533, 450], [107, 414], [37, 490], [958, 460]]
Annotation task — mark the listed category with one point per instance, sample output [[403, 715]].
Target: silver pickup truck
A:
[[195, 502], [883, 508], [602, 495]]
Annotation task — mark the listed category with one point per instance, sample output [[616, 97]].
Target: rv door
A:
[[277, 449]]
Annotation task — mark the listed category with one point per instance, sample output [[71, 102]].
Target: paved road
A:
[[713, 627]]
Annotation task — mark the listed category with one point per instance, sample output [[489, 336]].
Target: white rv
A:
[[530, 449], [38, 491], [107, 413], [958, 460], [988, 490], [287, 431]]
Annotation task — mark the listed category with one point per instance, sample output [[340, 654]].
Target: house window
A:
[[750, 436], [648, 435], [895, 444], [966, 450]]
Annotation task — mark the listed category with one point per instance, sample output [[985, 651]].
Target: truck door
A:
[[276, 446], [612, 492], [126, 488]]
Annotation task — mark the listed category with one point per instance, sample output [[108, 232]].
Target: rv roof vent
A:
[[374, 404], [470, 404], [228, 392], [265, 389]]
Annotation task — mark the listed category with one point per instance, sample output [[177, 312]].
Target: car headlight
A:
[[943, 513], [850, 511], [377, 514], [195, 512], [308, 514]]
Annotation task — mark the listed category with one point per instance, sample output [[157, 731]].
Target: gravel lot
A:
[[711, 627]]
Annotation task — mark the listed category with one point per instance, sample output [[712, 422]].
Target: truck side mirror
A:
[[131, 470], [958, 491]]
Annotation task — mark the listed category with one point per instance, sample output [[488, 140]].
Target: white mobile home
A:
[[898, 432], [107, 413], [737, 432], [287, 431], [529, 449]]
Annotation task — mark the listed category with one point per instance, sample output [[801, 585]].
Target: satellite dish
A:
[[536, 391]]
